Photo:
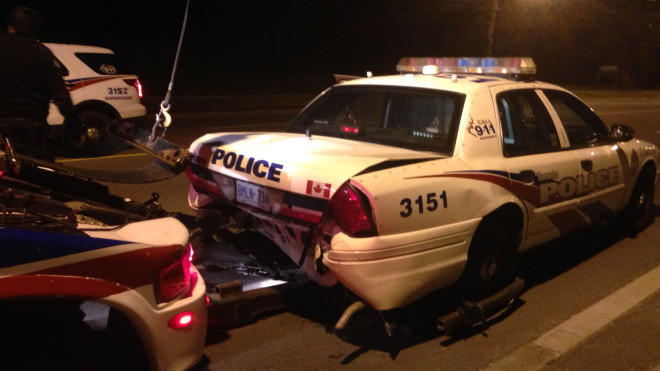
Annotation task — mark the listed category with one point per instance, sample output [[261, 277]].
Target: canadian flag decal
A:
[[318, 189]]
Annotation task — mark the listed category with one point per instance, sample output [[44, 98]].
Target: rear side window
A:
[[103, 64], [583, 127], [526, 124], [60, 67], [418, 119]]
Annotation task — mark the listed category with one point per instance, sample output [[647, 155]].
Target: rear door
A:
[[602, 164], [541, 170]]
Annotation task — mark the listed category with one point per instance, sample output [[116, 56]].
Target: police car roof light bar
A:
[[504, 66]]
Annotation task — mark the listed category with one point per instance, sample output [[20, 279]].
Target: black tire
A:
[[103, 144], [639, 213], [492, 258]]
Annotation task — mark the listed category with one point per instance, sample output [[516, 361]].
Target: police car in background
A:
[[397, 186], [101, 90]]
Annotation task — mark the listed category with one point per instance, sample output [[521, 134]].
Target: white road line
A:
[[628, 112], [554, 343], [223, 128], [100, 158]]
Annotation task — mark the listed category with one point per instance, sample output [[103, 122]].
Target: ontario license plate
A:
[[252, 194]]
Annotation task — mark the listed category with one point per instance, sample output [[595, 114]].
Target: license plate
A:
[[252, 194]]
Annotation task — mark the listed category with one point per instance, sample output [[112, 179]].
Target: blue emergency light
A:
[[506, 66]]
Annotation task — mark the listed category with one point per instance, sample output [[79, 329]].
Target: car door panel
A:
[[542, 172], [601, 182]]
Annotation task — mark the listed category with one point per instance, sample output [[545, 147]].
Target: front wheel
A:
[[491, 261], [639, 213]]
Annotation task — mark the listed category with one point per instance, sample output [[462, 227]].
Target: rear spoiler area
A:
[[341, 78]]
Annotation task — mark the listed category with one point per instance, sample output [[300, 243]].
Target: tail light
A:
[[174, 279], [135, 83], [350, 129], [350, 209]]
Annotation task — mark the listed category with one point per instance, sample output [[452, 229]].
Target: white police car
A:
[[400, 185], [84, 285], [101, 90]]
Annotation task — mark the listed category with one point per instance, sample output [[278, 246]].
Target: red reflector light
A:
[[181, 321], [350, 129], [135, 83], [174, 279], [350, 210]]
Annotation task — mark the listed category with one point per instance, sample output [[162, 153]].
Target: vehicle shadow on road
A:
[[551, 260], [368, 328]]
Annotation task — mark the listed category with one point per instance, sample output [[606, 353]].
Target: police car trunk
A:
[[286, 182]]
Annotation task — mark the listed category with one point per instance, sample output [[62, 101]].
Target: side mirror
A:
[[621, 133]]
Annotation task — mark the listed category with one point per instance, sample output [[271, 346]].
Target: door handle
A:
[[587, 165], [527, 176]]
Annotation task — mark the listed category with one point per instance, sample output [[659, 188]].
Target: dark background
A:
[[294, 46]]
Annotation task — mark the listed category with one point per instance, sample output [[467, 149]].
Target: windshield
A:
[[417, 119]]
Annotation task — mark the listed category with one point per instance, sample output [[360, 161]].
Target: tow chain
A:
[[163, 118]]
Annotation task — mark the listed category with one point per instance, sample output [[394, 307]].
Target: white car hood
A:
[[161, 231], [297, 159]]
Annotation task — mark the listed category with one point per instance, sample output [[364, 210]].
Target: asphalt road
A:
[[592, 300]]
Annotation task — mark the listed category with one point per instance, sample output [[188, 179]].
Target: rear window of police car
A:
[[103, 64], [413, 118]]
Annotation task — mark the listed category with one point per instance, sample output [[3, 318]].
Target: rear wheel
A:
[[96, 140], [492, 258]]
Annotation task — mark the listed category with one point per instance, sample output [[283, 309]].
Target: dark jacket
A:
[[29, 79]]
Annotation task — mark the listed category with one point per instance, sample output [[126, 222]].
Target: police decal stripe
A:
[[566, 221], [21, 246], [75, 84], [95, 277], [509, 181]]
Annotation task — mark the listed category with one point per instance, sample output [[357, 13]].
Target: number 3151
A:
[[430, 203]]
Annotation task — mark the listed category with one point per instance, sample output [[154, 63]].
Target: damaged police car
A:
[[89, 280], [397, 186]]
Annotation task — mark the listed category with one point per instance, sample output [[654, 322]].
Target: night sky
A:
[[294, 46]]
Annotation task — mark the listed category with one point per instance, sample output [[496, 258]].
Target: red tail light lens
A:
[[350, 209], [135, 83], [174, 279], [350, 129]]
